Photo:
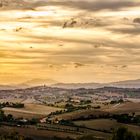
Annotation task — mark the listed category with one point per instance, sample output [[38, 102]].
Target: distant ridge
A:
[[120, 84], [78, 85], [29, 83], [37, 82], [127, 84], [7, 87], [53, 83]]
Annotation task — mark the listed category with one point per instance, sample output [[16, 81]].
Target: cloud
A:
[[131, 30], [77, 65], [96, 5], [101, 42], [136, 20]]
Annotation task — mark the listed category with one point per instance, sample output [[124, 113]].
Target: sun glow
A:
[[61, 42]]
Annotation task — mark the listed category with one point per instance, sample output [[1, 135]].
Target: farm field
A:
[[43, 133], [79, 113], [35, 133], [75, 129], [31, 110], [128, 107], [106, 124]]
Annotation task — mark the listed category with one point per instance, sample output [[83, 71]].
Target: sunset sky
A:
[[69, 40]]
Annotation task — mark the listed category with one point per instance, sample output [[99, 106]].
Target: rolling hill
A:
[[120, 84]]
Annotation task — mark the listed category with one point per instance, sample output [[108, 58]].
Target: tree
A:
[[9, 117], [2, 116], [69, 106], [88, 137], [123, 134]]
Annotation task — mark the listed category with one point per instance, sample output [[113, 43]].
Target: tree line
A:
[[10, 104]]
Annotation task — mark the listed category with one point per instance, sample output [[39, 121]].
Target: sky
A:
[[69, 40]]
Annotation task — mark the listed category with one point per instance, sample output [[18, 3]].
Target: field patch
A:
[[128, 107], [30, 110], [106, 124]]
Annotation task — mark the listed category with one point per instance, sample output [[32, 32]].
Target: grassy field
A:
[[79, 113], [35, 133], [30, 111], [128, 107], [106, 124]]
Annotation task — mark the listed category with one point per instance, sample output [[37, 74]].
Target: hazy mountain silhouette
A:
[[53, 83], [36, 82], [121, 84], [127, 84]]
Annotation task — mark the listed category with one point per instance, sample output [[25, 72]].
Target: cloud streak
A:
[[100, 41]]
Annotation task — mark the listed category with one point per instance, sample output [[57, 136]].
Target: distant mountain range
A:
[[29, 83], [7, 87], [120, 84], [78, 85], [38, 82], [53, 83], [126, 84]]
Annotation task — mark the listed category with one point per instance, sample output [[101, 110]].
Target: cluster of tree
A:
[[16, 121], [5, 118], [126, 118], [58, 112], [71, 108], [13, 136], [124, 134], [13, 105], [82, 102], [21, 121], [117, 101], [66, 122], [92, 116], [97, 107]]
